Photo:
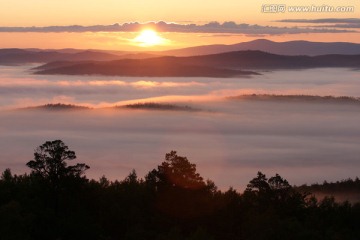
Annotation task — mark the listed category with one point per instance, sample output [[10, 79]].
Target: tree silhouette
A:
[[259, 184], [281, 189], [56, 201], [50, 162], [278, 183], [58, 186], [177, 171], [179, 190]]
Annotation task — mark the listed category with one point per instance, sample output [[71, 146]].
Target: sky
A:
[[27, 24]]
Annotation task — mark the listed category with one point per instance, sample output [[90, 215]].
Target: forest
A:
[[57, 201]]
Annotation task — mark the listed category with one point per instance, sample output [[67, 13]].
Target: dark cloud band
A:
[[211, 27], [323, 20]]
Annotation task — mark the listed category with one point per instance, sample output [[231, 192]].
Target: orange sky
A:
[[92, 12], [39, 13], [122, 41]]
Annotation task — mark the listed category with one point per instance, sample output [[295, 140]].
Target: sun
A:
[[149, 38]]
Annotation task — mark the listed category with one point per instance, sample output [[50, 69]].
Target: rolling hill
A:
[[229, 64], [153, 67]]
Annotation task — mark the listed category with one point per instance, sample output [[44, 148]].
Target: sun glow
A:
[[148, 38]]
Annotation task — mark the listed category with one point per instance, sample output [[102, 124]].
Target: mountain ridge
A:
[[17, 56], [297, 47], [229, 64]]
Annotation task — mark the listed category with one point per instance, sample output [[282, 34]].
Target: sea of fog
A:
[[229, 140]]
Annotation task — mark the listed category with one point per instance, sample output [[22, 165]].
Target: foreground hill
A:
[[153, 67], [215, 65]]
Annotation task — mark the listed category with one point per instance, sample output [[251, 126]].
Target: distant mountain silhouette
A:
[[14, 56], [21, 56], [263, 60], [282, 48], [139, 55], [215, 65]]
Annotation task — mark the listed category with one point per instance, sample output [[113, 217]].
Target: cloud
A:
[[349, 25], [28, 82], [103, 89], [210, 27], [334, 23], [323, 20]]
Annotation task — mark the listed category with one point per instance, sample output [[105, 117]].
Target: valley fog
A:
[[229, 140], [20, 88]]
